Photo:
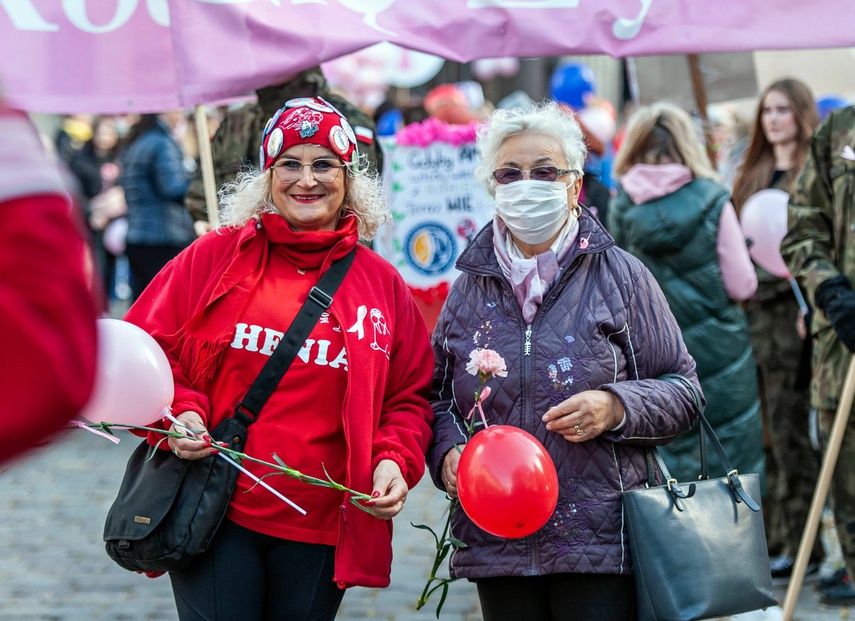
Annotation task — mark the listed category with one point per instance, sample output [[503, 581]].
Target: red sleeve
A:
[[47, 366], [405, 421]]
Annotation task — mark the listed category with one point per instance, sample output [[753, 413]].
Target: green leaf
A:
[[456, 542], [442, 599], [362, 507], [427, 528], [327, 474], [269, 474]]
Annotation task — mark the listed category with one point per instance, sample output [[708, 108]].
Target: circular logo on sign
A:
[[430, 248]]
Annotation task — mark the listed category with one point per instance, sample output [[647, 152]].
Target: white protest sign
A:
[[437, 208]]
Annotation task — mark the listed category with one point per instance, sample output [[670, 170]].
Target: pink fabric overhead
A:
[[151, 55]]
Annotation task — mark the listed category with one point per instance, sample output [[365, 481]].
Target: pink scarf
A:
[[531, 279]]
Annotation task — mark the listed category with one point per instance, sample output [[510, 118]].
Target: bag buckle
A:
[[321, 298], [241, 409], [733, 482], [676, 493]]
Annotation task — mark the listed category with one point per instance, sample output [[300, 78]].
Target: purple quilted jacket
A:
[[605, 325]]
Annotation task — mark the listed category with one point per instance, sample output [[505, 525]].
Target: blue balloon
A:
[[825, 105], [570, 83], [390, 122]]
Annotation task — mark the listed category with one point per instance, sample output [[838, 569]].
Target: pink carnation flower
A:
[[486, 362]]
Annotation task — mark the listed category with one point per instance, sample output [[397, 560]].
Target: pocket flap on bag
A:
[[147, 493]]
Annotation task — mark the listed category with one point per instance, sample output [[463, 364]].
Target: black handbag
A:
[[168, 509], [699, 548]]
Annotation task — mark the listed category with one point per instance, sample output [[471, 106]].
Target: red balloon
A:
[[507, 482]]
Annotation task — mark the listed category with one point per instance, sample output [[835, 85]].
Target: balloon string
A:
[[83, 425], [480, 409], [167, 413]]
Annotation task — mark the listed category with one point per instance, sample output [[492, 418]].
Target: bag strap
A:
[[320, 298], [695, 398], [706, 433]]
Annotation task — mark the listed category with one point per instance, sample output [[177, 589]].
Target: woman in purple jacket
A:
[[585, 331]]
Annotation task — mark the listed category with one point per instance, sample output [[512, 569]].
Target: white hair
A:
[[250, 195], [546, 118]]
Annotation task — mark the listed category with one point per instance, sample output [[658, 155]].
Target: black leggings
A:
[[558, 597], [247, 576], [146, 261]]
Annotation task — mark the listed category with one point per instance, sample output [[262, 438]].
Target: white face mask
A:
[[534, 211]]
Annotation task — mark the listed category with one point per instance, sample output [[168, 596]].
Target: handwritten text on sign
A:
[[437, 208]]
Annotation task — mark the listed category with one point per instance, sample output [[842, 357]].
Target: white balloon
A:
[[114, 236], [134, 380]]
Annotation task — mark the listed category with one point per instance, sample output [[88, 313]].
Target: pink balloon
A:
[[114, 236], [764, 224], [134, 380]]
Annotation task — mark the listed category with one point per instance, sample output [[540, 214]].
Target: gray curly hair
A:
[[546, 118], [249, 195]]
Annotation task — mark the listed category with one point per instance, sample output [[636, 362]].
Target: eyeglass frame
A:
[[522, 171], [332, 161]]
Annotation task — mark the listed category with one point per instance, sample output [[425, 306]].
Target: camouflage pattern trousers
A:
[[792, 465], [843, 487]]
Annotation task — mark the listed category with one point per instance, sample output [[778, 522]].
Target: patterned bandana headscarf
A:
[[307, 121]]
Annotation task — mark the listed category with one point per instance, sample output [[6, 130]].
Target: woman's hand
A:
[[191, 447], [585, 415], [449, 471], [390, 490]]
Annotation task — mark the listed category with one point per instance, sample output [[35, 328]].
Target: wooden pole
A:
[[829, 461], [700, 91], [206, 161]]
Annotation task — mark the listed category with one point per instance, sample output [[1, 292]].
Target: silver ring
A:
[[175, 450]]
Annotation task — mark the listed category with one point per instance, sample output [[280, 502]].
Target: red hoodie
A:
[[202, 308]]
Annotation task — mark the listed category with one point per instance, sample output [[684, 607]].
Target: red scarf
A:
[[310, 249], [307, 250]]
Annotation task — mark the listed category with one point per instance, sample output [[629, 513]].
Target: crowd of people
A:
[[609, 263]]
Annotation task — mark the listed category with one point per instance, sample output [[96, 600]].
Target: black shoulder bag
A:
[[699, 548], [168, 509]]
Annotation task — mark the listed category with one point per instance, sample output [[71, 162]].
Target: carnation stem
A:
[[280, 467]]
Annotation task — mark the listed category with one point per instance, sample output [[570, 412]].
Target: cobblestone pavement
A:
[[53, 566]]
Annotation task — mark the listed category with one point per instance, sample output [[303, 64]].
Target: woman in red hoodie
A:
[[352, 403]]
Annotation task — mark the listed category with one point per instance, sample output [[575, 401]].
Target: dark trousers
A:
[[247, 576], [558, 597], [146, 261]]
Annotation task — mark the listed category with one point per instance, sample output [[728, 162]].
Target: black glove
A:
[[836, 298]]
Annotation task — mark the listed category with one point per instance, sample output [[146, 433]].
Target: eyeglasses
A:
[[538, 173], [290, 171]]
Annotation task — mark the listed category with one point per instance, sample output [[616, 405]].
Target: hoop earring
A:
[[577, 211]]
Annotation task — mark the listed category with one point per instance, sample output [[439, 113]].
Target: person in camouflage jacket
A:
[[819, 249], [236, 143]]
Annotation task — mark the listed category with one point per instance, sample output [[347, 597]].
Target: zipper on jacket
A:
[[527, 423], [342, 520]]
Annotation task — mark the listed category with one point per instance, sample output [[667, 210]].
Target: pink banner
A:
[[151, 55]]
